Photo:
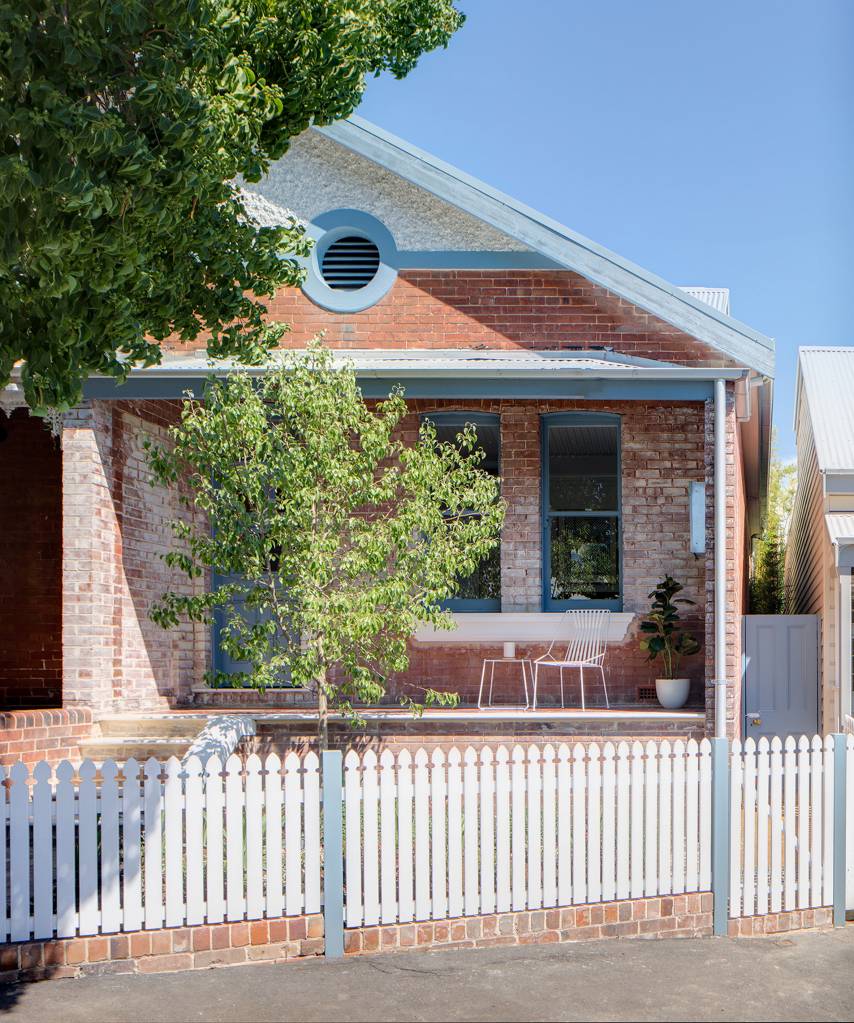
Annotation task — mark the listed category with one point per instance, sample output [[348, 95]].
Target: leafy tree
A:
[[340, 540], [124, 127], [767, 583]]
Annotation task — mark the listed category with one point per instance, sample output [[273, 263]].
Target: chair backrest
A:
[[588, 634]]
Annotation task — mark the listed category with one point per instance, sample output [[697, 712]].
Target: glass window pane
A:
[[488, 438], [585, 560], [583, 468], [485, 582]]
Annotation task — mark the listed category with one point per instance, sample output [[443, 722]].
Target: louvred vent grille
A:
[[350, 263]]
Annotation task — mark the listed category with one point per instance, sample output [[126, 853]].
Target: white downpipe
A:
[[720, 559]]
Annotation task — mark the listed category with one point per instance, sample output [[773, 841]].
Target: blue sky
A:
[[710, 143]]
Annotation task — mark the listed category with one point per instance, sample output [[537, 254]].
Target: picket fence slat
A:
[[455, 833], [487, 832], [388, 850], [194, 824], [214, 811], [111, 914], [534, 832], [406, 904], [254, 839]]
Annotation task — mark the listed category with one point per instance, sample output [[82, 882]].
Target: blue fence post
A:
[[840, 829], [333, 854], [721, 750]]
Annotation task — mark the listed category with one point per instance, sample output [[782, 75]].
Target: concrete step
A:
[[155, 726], [141, 748]]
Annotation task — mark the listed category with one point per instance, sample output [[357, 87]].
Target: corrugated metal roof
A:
[[717, 298], [840, 525], [454, 361], [826, 379]]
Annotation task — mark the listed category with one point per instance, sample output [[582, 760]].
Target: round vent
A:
[[350, 263]]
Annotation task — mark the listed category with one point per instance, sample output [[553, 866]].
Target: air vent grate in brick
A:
[[646, 693]]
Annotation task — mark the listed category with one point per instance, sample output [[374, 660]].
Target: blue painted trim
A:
[[463, 416], [577, 419], [720, 834], [478, 259], [840, 830], [333, 853], [461, 387], [328, 228]]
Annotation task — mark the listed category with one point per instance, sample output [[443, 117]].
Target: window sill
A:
[[514, 626]]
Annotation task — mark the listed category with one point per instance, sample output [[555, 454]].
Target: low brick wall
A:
[[679, 916], [164, 951], [278, 941], [779, 923], [52, 735]]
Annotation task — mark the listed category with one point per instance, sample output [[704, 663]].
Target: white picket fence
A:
[[427, 837], [468, 833], [782, 824], [157, 845]]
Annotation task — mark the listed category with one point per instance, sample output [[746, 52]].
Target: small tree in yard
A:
[[340, 539], [767, 582]]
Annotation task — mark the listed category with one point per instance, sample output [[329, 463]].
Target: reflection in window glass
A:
[[582, 510]]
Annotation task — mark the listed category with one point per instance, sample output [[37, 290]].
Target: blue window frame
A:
[[581, 495], [481, 591]]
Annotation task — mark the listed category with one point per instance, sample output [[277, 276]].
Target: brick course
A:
[[164, 951], [51, 735]]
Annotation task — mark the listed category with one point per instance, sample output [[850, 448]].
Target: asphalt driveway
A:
[[802, 977]]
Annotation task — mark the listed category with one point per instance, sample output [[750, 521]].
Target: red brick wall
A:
[[51, 735], [494, 309], [116, 527], [30, 552]]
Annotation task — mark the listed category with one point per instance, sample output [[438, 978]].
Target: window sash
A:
[[457, 420], [578, 419]]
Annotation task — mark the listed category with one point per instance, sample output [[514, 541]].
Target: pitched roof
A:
[[680, 308], [826, 385]]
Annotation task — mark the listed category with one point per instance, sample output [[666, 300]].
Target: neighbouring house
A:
[[628, 418], [820, 549]]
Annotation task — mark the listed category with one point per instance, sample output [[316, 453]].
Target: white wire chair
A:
[[585, 648]]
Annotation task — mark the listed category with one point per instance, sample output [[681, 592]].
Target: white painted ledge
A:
[[515, 627]]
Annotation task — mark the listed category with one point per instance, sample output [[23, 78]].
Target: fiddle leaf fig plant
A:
[[662, 634]]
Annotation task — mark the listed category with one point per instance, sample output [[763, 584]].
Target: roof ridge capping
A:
[[643, 288]]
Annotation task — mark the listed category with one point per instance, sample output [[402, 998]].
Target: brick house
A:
[[625, 415]]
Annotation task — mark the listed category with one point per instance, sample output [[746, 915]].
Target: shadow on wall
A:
[[154, 669], [30, 564]]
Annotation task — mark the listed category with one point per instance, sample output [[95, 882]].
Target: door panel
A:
[[780, 675]]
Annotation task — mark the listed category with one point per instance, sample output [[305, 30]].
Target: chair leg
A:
[[525, 684], [581, 676], [480, 691], [562, 704], [536, 673], [604, 686], [491, 682]]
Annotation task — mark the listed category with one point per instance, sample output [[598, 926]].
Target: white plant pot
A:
[[672, 693]]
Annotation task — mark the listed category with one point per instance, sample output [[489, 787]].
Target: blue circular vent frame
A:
[[333, 226]]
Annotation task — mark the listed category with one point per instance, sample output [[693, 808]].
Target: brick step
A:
[[160, 726], [141, 748]]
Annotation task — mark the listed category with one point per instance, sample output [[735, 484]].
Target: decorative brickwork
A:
[[30, 563], [164, 951], [51, 735]]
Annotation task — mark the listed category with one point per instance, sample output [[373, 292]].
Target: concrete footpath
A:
[[806, 976]]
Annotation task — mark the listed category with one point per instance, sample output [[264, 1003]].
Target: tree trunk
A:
[[322, 715]]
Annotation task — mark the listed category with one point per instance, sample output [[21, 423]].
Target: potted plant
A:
[[662, 635]]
